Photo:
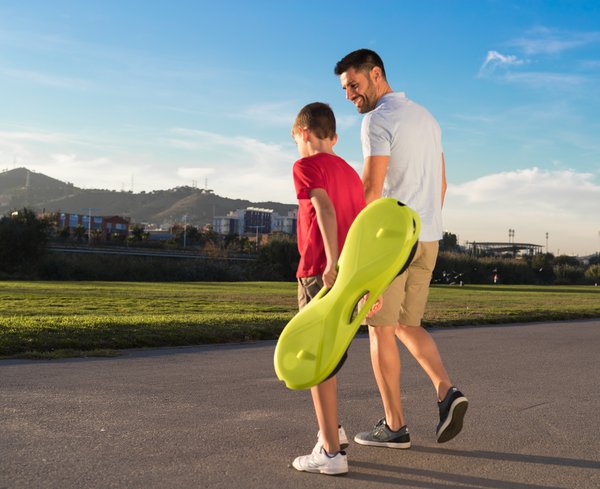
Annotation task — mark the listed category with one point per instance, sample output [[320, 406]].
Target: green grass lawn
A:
[[56, 319]]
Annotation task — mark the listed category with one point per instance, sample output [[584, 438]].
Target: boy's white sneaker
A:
[[343, 440], [322, 463]]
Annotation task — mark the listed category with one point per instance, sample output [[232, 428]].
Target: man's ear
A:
[[376, 73]]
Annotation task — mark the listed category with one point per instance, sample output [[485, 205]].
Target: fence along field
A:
[[57, 319]]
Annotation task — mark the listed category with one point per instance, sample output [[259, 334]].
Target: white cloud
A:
[[542, 40], [533, 201], [345, 122], [244, 167], [495, 59], [541, 79], [33, 136], [103, 172], [536, 44], [46, 79], [194, 173], [279, 114]]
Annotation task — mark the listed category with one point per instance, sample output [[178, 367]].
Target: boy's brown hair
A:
[[318, 118]]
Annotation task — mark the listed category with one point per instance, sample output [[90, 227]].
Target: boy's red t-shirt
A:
[[345, 190]]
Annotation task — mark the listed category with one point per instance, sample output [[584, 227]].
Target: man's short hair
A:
[[362, 60], [318, 118]]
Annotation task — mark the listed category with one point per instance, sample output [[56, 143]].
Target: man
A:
[[403, 159]]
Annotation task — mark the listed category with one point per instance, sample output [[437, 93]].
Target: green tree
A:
[[543, 265], [593, 273], [449, 242], [79, 233], [137, 233], [277, 260], [23, 239], [572, 261]]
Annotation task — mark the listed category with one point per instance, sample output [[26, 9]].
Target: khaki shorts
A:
[[405, 299], [307, 289]]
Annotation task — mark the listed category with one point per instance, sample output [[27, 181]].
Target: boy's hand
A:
[[329, 276]]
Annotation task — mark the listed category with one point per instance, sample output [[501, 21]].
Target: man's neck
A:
[[383, 90]]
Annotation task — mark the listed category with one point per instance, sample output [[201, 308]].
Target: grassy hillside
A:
[[22, 188]]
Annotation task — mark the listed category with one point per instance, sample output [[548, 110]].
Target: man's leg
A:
[[421, 345], [452, 404], [385, 359], [390, 431]]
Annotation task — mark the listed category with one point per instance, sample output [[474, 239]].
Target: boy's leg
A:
[[326, 457], [324, 398]]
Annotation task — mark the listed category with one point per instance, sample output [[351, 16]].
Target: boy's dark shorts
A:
[[308, 288]]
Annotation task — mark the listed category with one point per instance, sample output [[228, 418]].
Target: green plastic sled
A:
[[379, 246]]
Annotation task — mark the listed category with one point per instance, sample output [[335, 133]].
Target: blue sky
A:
[[152, 95]]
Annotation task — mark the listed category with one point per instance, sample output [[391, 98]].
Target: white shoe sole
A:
[[401, 445]]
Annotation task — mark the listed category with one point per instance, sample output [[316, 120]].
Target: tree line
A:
[[24, 239]]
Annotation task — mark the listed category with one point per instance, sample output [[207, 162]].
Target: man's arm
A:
[[444, 184], [373, 176], [328, 226]]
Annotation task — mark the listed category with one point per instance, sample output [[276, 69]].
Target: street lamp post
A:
[[90, 209], [511, 235], [256, 228]]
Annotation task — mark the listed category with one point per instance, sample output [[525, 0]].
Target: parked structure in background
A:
[[104, 228], [255, 220], [494, 249]]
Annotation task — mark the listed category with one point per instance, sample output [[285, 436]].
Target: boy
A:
[[330, 195]]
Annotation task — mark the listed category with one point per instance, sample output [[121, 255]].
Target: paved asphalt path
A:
[[216, 417]]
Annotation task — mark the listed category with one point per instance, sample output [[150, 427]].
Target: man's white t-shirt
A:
[[406, 132]]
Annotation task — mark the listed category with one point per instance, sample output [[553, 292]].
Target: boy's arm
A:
[[373, 176], [328, 226]]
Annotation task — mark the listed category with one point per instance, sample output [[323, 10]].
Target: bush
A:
[[23, 239], [593, 274], [458, 267], [72, 266], [276, 261]]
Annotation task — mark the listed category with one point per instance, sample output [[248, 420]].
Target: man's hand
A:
[[377, 305]]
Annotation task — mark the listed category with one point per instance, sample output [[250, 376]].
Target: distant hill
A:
[[24, 188]]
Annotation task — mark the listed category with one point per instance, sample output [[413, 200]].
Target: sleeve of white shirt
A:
[[375, 138]]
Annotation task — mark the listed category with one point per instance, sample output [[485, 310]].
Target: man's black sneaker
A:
[[382, 436], [452, 412]]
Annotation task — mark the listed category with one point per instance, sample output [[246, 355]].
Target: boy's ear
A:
[[335, 139], [305, 133]]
